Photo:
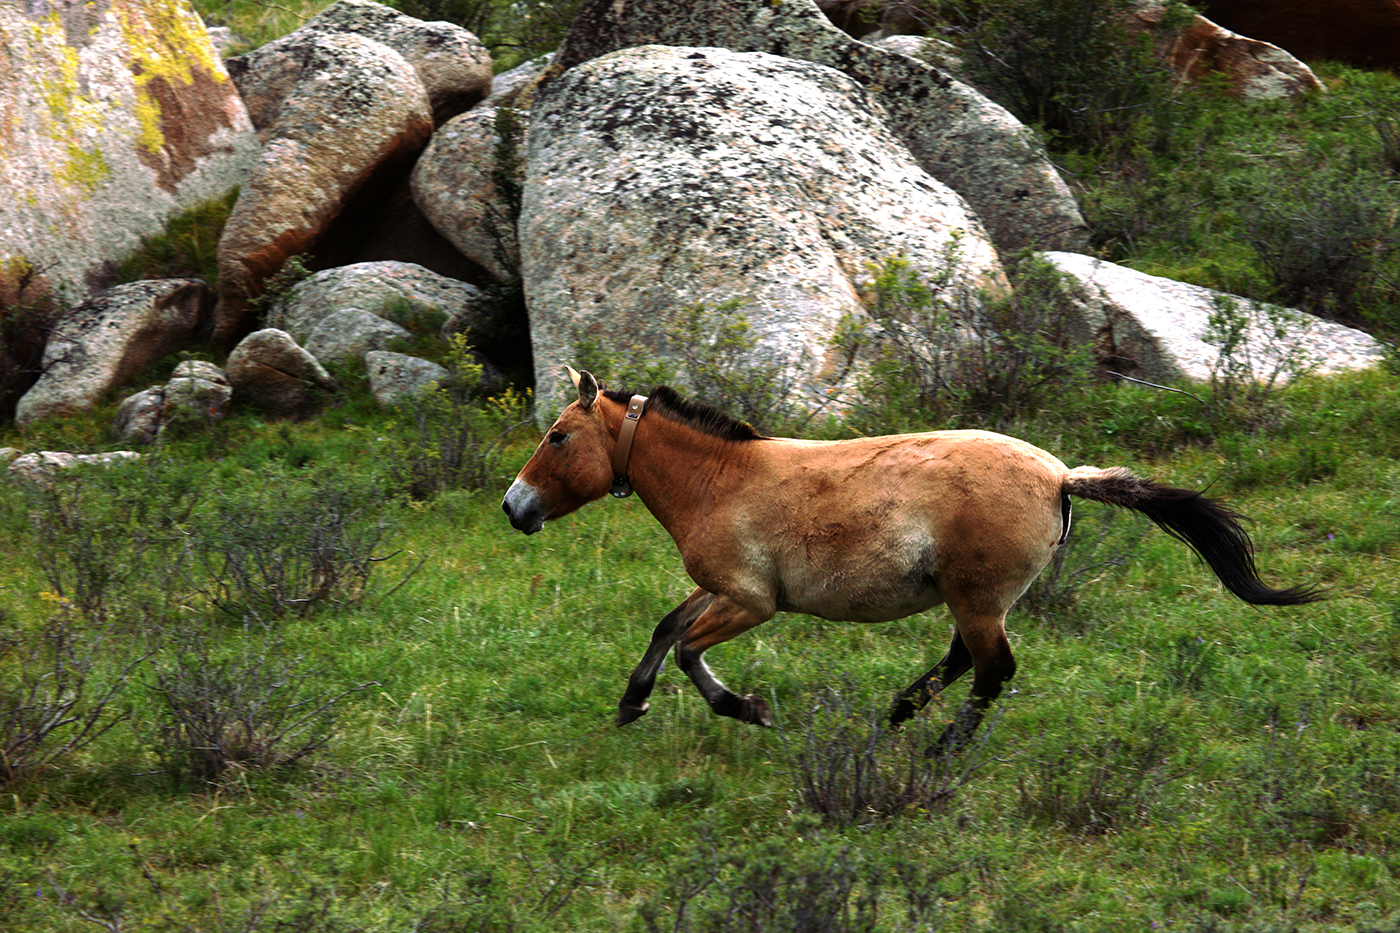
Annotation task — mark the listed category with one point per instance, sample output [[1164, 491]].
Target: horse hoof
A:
[[626, 714], [756, 712]]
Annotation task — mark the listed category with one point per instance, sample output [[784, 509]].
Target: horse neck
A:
[[680, 473]]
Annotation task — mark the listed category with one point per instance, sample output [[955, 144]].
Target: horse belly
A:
[[877, 584]]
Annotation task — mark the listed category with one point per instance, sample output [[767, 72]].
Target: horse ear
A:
[[587, 387]]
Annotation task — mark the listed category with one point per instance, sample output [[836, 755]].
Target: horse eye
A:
[[557, 437]]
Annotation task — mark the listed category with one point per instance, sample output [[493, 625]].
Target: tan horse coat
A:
[[863, 530]]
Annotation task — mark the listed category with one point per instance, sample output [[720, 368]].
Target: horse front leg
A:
[[954, 664], [722, 621], [634, 704]]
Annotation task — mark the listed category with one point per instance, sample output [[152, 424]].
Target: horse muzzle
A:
[[523, 507]]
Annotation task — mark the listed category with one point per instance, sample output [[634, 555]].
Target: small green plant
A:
[[451, 435], [1098, 785], [1258, 349], [718, 359]]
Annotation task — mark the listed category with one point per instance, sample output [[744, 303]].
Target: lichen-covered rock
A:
[[1155, 329], [197, 392], [455, 185], [452, 64], [41, 468], [660, 178], [358, 112], [392, 376], [111, 337], [270, 371], [113, 118], [351, 333], [959, 137], [410, 296], [138, 418]]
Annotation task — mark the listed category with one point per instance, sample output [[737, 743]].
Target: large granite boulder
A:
[[450, 62], [468, 181], [114, 117], [270, 371], [358, 114], [956, 134], [661, 178], [410, 296]]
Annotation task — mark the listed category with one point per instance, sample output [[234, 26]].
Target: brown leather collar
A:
[[621, 488]]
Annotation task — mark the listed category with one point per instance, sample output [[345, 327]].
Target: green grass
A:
[[1170, 755]]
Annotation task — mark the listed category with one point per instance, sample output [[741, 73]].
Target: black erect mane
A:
[[669, 403]]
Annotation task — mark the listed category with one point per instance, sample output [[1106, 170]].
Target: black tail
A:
[[1211, 529]]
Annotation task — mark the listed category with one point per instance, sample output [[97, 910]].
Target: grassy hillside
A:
[[250, 683]]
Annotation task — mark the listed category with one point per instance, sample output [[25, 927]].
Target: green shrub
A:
[[290, 545], [247, 705], [55, 696], [852, 768]]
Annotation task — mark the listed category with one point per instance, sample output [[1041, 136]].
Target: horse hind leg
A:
[[723, 621], [633, 704], [984, 635], [954, 664]]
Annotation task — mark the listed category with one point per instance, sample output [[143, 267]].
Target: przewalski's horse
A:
[[863, 530]]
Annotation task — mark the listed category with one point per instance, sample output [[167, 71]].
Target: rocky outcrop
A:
[[113, 118], [350, 334], [958, 136], [660, 178], [198, 392], [469, 193], [451, 63], [357, 113], [1156, 329], [40, 468], [1252, 69], [269, 370], [108, 339]]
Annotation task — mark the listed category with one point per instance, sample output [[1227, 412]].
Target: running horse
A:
[[863, 530]]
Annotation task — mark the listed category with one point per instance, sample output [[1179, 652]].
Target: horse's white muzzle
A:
[[523, 507]]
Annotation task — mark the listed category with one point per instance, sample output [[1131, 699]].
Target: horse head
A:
[[571, 467]]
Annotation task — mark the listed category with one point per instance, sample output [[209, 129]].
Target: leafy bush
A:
[[1099, 785], [813, 884], [937, 352], [290, 545], [250, 706], [718, 359], [1326, 239], [108, 537], [1072, 67]]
